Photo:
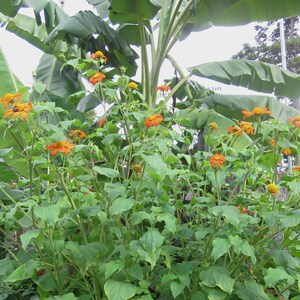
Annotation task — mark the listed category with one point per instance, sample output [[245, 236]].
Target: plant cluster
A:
[[132, 209]]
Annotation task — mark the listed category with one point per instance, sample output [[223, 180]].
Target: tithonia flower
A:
[[273, 188], [235, 130], [247, 127], [98, 54], [256, 111], [296, 168], [213, 125], [132, 85], [273, 142], [163, 88], [97, 77], [295, 121], [287, 151], [244, 210], [61, 146], [153, 120], [77, 134], [7, 98], [217, 160], [137, 168], [19, 109], [101, 122]]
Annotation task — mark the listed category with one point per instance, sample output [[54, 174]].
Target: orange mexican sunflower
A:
[[7, 98], [235, 130], [98, 54], [247, 127], [153, 120], [163, 88], [77, 134], [256, 111], [61, 146], [273, 142], [101, 122], [97, 77], [132, 85], [287, 151], [273, 188], [217, 160], [213, 125], [295, 121], [244, 210], [296, 168], [19, 109]]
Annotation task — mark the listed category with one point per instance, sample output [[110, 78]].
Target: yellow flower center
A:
[[59, 144]]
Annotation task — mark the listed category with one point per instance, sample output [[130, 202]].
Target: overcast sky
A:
[[214, 44]]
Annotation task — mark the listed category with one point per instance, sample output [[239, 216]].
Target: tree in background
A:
[[267, 48]]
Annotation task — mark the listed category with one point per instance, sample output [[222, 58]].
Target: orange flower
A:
[[273, 142], [244, 210], [213, 125], [256, 111], [61, 146], [101, 122], [295, 121], [77, 134], [235, 130], [153, 120], [7, 98], [19, 109], [287, 151], [132, 85], [97, 77], [247, 127], [99, 54], [217, 160], [163, 88], [273, 188], [296, 168]]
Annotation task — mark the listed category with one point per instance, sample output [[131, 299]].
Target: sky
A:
[[214, 44]]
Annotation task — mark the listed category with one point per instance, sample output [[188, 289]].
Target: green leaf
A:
[[121, 205], [248, 250], [117, 290], [88, 102], [231, 213], [69, 296], [231, 106], [60, 81], [220, 247], [254, 75], [9, 82], [114, 190], [176, 288], [140, 216], [152, 240], [251, 290], [273, 276], [107, 172], [290, 220], [113, 266], [85, 25], [48, 214], [28, 236], [23, 272], [217, 276], [169, 220]]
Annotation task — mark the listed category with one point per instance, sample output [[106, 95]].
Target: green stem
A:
[[145, 63]]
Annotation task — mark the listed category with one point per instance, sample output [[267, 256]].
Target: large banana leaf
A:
[[254, 75], [102, 7], [200, 118], [33, 30], [85, 25], [9, 82], [60, 81], [231, 106]]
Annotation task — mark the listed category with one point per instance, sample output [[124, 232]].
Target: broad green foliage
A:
[[146, 202]]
